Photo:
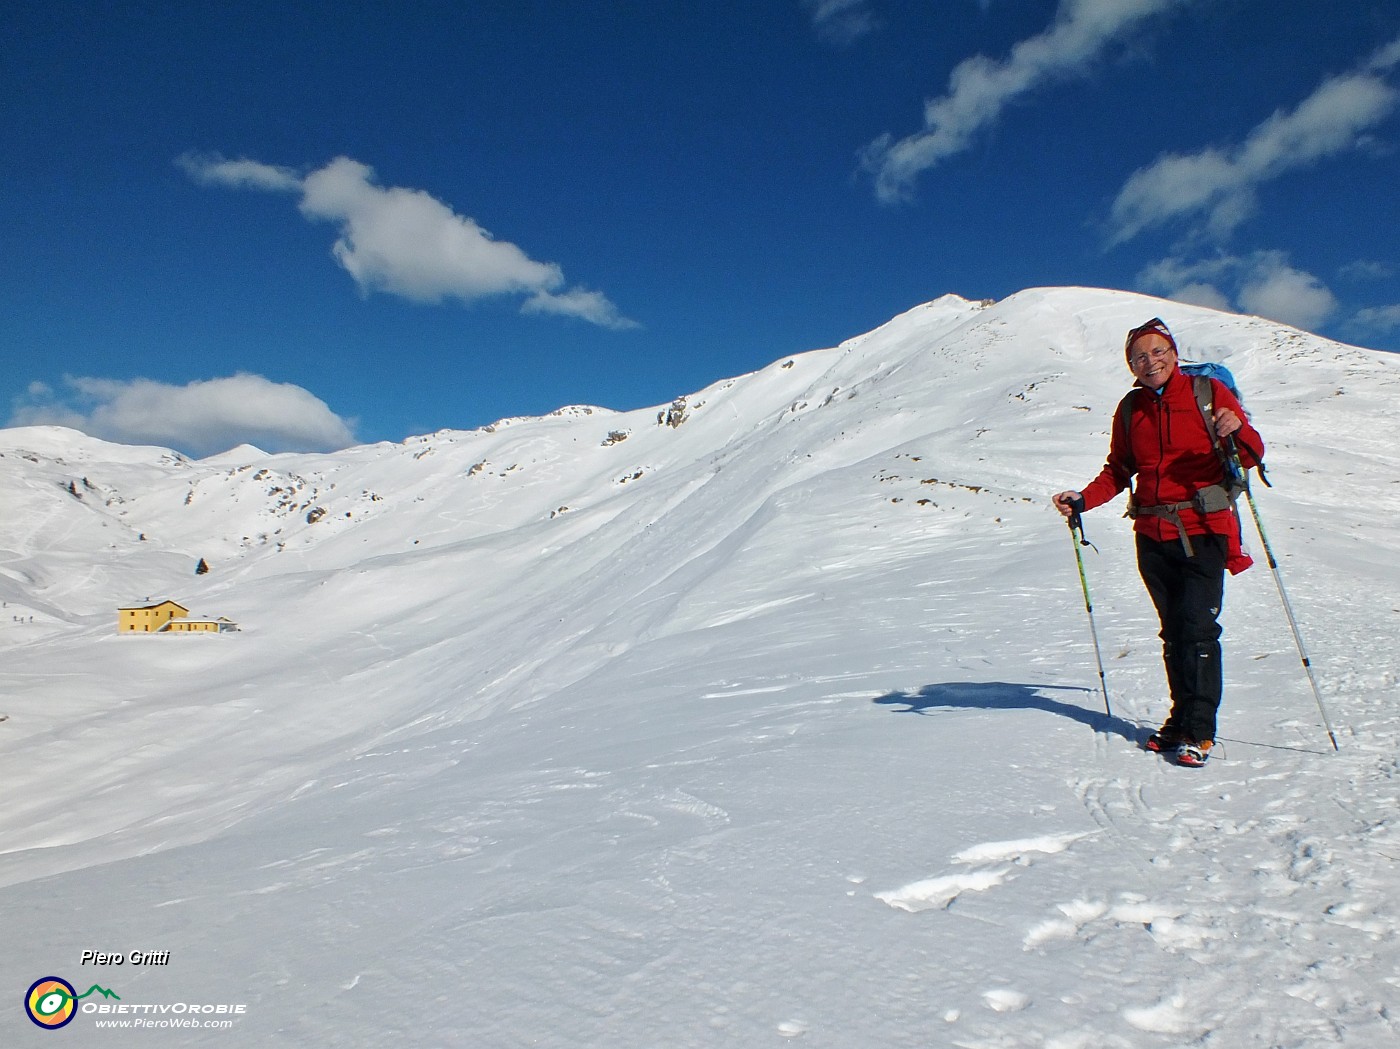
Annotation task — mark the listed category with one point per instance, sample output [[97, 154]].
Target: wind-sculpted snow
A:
[[768, 714]]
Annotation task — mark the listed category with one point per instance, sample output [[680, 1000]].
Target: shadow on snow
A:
[[1001, 695]]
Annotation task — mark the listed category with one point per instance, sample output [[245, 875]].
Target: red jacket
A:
[[1167, 446]]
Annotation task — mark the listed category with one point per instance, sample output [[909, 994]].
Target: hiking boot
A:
[[1193, 755], [1165, 740]]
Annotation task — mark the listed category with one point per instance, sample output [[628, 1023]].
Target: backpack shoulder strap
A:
[[1121, 428], [1205, 400], [1234, 481]]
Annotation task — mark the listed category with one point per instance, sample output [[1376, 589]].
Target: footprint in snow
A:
[[1077, 914]]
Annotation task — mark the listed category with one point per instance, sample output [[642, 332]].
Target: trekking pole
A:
[[1076, 525], [1282, 593]]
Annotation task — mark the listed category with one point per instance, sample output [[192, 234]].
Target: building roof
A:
[[147, 608]]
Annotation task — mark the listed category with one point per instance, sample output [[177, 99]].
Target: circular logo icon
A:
[[51, 1002]]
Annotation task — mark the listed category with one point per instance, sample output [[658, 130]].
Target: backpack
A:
[[1213, 370]]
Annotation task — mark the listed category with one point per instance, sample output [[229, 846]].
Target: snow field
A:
[[795, 737]]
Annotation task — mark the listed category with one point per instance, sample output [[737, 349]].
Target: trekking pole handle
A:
[[1233, 451], [1076, 521], [1232, 456]]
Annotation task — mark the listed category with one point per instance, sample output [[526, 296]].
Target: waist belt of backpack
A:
[[1207, 500]]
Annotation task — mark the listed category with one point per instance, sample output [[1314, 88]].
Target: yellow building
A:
[[198, 626], [148, 619], [168, 617]]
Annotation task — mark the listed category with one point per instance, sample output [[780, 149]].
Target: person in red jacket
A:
[[1187, 531]]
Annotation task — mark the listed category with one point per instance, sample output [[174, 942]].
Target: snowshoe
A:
[[1193, 755], [1165, 740]]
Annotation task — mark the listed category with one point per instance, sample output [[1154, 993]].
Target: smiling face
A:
[[1152, 359]]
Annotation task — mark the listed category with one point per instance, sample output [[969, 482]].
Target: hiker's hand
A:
[[1064, 502], [1226, 422]]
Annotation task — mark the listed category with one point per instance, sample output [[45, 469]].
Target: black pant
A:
[[1188, 592]]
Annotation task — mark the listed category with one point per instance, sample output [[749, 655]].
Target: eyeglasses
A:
[[1137, 360], [1156, 326]]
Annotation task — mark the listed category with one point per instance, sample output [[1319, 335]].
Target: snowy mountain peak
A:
[[243, 453]]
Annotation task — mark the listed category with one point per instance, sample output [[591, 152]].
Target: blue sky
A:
[[314, 224]]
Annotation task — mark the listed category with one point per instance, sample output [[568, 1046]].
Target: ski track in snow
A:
[[780, 724]]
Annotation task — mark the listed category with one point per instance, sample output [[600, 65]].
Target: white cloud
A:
[[1366, 269], [1379, 318], [1197, 283], [579, 302], [1168, 275], [1202, 293], [211, 170], [1218, 184], [406, 242], [1282, 293], [1385, 59], [200, 418], [979, 88], [841, 22], [1263, 283]]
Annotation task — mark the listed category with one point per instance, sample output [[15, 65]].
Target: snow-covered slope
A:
[[595, 729]]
